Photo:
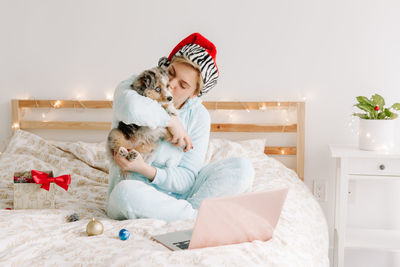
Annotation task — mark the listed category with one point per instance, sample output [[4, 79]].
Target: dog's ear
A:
[[149, 79], [144, 81], [163, 70]]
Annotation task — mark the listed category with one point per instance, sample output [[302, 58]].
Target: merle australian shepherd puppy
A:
[[152, 83]]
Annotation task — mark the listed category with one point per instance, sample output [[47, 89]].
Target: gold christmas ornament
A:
[[94, 227]]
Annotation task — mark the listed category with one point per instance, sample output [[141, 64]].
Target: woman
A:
[[176, 182]]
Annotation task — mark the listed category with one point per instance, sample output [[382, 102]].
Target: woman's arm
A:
[[177, 179], [130, 107], [180, 179], [138, 165]]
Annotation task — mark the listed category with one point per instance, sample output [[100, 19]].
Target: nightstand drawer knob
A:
[[382, 167]]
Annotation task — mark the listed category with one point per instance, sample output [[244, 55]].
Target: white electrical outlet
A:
[[319, 190]]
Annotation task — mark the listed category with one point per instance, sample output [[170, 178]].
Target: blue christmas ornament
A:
[[124, 234]]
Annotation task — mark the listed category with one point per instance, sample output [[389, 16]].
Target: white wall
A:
[[327, 51]]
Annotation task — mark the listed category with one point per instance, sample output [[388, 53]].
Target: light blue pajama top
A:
[[176, 170]]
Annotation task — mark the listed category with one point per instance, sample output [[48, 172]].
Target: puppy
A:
[[152, 83]]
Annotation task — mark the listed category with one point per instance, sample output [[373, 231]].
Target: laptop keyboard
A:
[[182, 244]]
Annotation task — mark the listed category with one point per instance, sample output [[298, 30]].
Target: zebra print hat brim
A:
[[200, 51]]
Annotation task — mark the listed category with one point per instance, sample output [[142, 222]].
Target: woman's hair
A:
[[182, 59]]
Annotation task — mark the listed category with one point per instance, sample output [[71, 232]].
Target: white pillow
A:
[[223, 148]]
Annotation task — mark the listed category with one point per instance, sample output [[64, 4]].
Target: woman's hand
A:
[[137, 165], [180, 137]]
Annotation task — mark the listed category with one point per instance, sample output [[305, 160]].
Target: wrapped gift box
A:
[[30, 195]]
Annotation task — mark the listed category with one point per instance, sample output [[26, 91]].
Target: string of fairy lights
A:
[[58, 104], [109, 96]]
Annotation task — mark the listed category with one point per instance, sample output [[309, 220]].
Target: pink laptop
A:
[[230, 220]]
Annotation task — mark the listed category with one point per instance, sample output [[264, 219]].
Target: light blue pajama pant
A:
[[132, 199]]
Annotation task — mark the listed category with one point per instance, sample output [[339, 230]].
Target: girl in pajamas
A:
[[176, 182]]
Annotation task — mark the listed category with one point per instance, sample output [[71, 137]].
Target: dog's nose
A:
[[169, 98]]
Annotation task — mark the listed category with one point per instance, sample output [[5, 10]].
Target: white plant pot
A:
[[377, 135]]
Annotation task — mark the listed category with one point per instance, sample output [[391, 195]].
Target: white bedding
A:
[[44, 237]]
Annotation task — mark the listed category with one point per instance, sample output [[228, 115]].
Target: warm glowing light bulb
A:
[[43, 116], [279, 104], [282, 151], [15, 125], [57, 104], [109, 96]]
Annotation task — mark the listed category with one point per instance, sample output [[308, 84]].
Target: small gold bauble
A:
[[94, 227]]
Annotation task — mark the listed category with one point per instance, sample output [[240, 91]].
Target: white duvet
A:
[[44, 237]]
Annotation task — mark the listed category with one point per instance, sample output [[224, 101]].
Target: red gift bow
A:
[[44, 179]]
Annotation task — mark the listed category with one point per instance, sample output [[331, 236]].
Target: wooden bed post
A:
[[300, 143], [15, 115]]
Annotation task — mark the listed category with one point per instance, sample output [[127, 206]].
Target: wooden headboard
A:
[[298, 127]]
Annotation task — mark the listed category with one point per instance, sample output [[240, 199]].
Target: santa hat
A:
[[200, 51]]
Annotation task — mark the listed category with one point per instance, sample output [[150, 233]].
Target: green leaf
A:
[[364, 100], [387, 112], [396, 106], [365, 107], [381, 115], [393, 116], [361, 115], [378, 100]]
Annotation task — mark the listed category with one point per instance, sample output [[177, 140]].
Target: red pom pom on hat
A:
[[200, 51]]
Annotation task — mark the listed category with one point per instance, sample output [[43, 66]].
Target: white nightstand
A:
[[351, 164]]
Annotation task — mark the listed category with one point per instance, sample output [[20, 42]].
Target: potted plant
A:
[[377, 123]]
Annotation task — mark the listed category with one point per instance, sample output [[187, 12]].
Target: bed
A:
[[44, 237]]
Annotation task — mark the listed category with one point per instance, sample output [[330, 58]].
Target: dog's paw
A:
[[132, 155], [171, 110], [123, 152]]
